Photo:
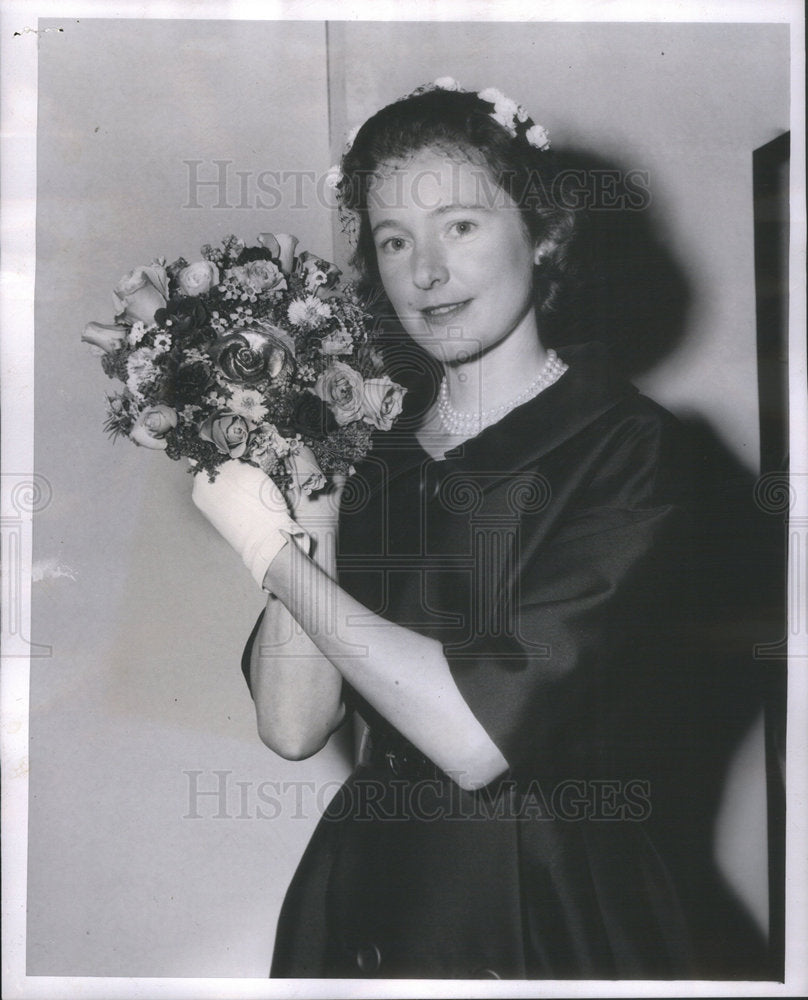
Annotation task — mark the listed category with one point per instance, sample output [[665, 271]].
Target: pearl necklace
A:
[[470, 424]]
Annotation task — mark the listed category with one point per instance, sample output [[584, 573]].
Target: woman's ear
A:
[[543, 250]]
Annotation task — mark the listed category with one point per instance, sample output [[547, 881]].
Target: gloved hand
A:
[[249, 512]]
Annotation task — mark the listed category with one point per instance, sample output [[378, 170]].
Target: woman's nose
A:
[[428, 267]]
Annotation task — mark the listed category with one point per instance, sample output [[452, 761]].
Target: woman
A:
[[509, 590]]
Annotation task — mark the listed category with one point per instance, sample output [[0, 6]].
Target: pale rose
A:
[[341, 387], [307, 476], [447, 83], [108, 337], [198, 278], [152, 425], [382, 400], [139, 294], [260, 276], [228, 431]]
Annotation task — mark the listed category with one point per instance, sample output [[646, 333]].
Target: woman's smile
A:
[[438, 315]]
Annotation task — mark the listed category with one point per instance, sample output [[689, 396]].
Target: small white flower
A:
[[140, 371], [447, 83], [162, 342], [216, 401], [492, 95], [268, 440], [136, 333], [538, 137], [248, 403], [310, 312], [188, 413], [349, 139]]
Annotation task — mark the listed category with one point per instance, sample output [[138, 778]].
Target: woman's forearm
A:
[[403, 675], [296, 690]]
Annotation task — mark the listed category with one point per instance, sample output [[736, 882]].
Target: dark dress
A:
[[549, 556]]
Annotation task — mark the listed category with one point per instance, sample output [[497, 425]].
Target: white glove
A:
[[249, 511]]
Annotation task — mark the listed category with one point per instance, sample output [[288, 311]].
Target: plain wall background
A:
[[143, 683]]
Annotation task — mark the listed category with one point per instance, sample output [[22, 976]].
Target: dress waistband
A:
[[397, 755]]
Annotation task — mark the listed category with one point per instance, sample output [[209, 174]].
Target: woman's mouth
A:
[[445, 311]]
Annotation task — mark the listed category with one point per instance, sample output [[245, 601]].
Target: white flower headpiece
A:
[[511, 116]]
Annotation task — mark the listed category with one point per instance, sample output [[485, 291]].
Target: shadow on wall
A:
[[737, 601], [627, 290]]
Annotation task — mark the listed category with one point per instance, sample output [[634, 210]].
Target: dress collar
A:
[[589, 388]]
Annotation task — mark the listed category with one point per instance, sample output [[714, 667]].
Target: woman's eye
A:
[[394, 244], [462, 228]]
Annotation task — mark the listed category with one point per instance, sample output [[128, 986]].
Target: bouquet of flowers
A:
[[251, 353]]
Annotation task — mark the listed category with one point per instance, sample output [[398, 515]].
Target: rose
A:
[[108, 338], [228, 431], [198, 278], [182, 315], [140, 293], [152, 425], [251, 354], [313, 417], [185, 383], [382, 401], [260, 276], [341, 387], [307, 476]]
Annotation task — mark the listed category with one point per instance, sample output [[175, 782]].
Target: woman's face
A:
[[454, 256]]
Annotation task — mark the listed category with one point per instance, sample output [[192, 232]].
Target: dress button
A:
[[368, 959]]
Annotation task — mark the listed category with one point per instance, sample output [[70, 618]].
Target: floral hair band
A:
[[511, 116]]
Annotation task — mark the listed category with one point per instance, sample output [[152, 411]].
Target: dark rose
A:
[[186, 315], [313, 417], [252, 354], [186, 383], [249, 254]]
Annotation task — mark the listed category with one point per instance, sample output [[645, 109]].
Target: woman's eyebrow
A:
[[455, 206], [385, 224], [461, 206]]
